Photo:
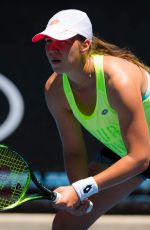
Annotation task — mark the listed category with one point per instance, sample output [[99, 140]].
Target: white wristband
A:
[[85, 187]]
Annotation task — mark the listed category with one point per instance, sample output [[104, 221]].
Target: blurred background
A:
[[25, 123]]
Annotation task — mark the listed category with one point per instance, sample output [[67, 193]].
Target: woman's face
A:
[[63, 55]]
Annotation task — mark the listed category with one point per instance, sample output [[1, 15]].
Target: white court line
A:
[[13, 221]]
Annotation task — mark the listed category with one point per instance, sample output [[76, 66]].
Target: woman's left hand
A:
[[70, 202]]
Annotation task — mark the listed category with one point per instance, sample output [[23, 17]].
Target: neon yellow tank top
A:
[[103, 122]]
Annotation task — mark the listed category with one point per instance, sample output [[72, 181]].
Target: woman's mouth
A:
[[55, 61]]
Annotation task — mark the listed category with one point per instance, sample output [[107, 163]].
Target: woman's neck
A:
[[82, 76]]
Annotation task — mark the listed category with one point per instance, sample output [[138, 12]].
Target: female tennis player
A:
[[105, 89]]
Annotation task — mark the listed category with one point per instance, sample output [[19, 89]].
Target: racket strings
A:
[[14, 174]]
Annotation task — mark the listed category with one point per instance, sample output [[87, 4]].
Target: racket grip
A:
[[90, 207], [57, 196]]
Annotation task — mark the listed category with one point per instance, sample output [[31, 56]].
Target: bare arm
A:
[[74, 150], [125, 97]]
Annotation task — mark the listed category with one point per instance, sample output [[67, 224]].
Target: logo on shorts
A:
[[87, 188]]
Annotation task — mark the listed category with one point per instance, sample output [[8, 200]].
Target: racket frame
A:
[[45, 192]]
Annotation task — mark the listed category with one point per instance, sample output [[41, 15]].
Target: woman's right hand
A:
[[70, 202]]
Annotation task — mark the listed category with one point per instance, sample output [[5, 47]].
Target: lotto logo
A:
[[87, 188]]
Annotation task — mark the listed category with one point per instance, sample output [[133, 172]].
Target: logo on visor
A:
[[55, 21]]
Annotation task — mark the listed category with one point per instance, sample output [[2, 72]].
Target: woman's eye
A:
[[48, 41], [63, 42], [55, 43]]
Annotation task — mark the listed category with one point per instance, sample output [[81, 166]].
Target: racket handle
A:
[[90, 207], [57, 196]]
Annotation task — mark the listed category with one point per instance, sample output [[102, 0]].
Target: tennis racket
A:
[[15, 178]]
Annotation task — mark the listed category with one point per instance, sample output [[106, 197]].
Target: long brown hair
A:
[[99, 46]]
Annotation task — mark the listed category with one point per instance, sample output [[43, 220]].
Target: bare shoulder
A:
[[52, 83], [54, 93], [123, 80], [120, 72]]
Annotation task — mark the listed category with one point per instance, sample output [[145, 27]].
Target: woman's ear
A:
[[85, 46]]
